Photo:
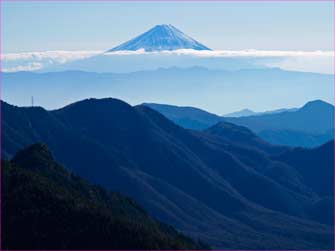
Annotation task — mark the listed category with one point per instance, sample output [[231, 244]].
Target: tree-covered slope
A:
[[47, 207]]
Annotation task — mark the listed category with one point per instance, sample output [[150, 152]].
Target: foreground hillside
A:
[[224, 186], [47, 207]]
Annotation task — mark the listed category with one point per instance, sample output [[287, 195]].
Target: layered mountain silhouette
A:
[[47, 207], [241, 113], [247, 112], [186, 116], [321, 178], [296, 138], [308, 126], [160, 38], [242, 136], [165, 85], [314, 117], [216, 186]]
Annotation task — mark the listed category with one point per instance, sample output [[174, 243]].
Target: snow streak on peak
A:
[[164, 37]]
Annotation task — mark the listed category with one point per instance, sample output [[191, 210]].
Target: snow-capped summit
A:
[[159, 38]]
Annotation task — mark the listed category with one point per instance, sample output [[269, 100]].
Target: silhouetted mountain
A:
[[185, 116], [248, 112], [309, 126], [47, 207], [241, 113], [321, 179], [213, 188], [314, 117], [295, 138], [159, 38], [242, 136]]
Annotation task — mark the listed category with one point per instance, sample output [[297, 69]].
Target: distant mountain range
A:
[[132, 61], [241, 113], [224, 186], [159, 38], [248, 112], [314, 117], [311, 125], [226, 89], [308, 126], [198, 119], [47, 207]]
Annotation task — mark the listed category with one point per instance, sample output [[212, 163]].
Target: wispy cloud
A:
[[34, 66], [59, 56], [32, 61]]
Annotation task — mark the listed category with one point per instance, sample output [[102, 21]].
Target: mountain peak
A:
[[231, 130], [159, 38], [164, 26], [317, 104], [241, 113]]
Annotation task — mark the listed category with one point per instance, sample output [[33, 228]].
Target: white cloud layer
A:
[[34, 66], [32, 61], [229, 53], [315, 61], [59, 56]]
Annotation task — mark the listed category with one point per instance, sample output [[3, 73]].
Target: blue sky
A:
[[37, 26]]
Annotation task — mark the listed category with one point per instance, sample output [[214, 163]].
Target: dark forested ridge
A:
[[224, 186], [47, 207], [315, 165]]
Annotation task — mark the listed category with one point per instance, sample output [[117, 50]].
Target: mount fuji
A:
[[160, 38], [163, 46]]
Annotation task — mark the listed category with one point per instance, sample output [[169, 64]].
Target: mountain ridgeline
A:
[[314, 117], [47, 207], [224, 186], [186, 116], [309, 126]]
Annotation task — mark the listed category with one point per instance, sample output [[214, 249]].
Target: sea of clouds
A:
[[308, 61]]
